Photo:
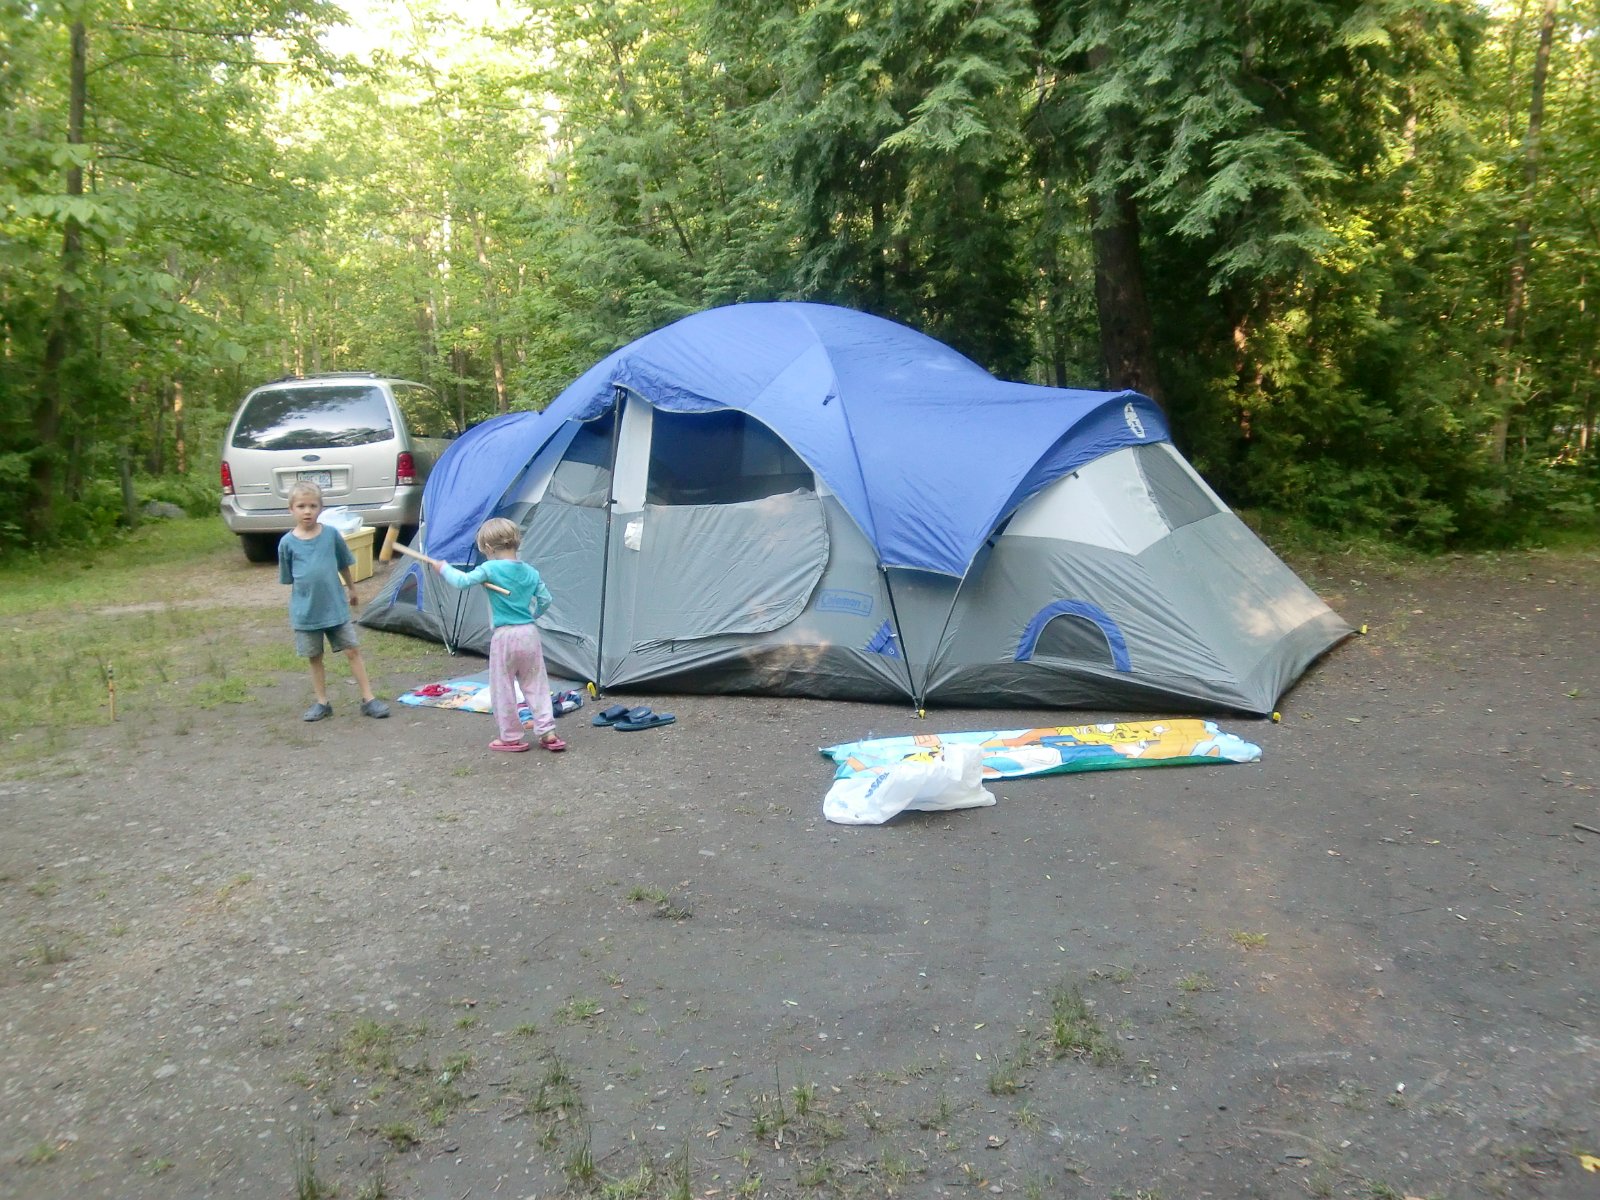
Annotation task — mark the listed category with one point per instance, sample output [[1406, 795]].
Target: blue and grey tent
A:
[[799, 499]]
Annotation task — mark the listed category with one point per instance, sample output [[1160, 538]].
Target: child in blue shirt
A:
[[516, 655], [313, 560]]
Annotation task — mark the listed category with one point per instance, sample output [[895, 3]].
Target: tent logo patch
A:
[[1135, 426], [839, 601]]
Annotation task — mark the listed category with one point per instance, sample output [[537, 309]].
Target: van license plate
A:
[[323, 479]]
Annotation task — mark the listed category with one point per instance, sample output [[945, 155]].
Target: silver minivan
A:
[[367, 440]]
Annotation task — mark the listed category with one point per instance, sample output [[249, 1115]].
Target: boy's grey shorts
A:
[[308, 642]]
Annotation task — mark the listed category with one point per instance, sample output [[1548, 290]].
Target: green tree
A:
[[895, 139], [134, 165]]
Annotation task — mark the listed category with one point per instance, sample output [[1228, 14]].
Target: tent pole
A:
[[605, 561], [905, 658]]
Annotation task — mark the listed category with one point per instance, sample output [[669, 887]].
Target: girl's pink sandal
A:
[[509, 747], [551, 742]]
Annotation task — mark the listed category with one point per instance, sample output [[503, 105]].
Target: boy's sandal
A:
[[610, 716], [317, 712], [552, 743], [647, 720]]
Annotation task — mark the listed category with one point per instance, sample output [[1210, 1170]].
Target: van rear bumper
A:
[[405, 509]]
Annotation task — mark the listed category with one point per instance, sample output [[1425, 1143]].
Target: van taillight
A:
[[405, 468], [227, 480]]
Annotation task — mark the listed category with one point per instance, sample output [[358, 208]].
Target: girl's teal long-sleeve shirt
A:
[[528, 596]]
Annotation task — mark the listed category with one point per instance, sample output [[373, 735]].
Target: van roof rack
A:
[[328, 375]]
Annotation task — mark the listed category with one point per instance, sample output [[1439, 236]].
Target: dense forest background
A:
[[1353, 248]]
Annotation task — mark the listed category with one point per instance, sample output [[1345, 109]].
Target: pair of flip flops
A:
[[620, 716]]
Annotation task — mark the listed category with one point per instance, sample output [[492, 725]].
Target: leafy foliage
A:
[[1314, 216]]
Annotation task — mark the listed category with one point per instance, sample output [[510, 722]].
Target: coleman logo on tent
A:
[[1135, 426]]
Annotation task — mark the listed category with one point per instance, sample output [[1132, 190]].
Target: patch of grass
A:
[[1111, 974], [303, 1154], [579, 1166], [440, 1099], [636, 1186], [1352, 1094], [575, 1009], [40, 1153], [556, 1093], [399, 1134], [801, 1096], [374, 1046], [51, 951], [1074, 1030], [666, 907], [1247, 940], [938, 1117], [815, 1175], [1006, 1075], [232, 690], [1199, 981], [141, 613], [376, 1187], [893, 1170]]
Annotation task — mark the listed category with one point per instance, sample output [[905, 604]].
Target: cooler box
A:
[[360, 543]]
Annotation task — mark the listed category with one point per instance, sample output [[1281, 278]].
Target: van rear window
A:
[[313, 418]]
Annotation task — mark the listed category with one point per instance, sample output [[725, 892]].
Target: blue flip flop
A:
[[648, 721], [611, 715]]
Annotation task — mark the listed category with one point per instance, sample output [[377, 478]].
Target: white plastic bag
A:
[[926, 785], [342, 519]]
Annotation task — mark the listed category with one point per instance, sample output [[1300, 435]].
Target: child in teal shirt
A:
[[313, 560], [516, 655]]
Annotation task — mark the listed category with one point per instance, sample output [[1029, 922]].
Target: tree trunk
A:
[[130, 502], [156, 461], [65, 317], [502, 399], [497, 357], [1522, 237], [179, 449], [1127, 333]]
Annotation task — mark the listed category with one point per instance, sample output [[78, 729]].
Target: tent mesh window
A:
[[583, 476], [1073, 639], [722, 457], [1180, 499]]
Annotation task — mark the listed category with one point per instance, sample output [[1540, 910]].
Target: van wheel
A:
[[407, 535], [259, 547]]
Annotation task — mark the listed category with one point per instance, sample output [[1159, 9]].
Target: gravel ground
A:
[[241, 956]]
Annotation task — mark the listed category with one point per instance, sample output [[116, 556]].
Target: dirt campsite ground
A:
[[246, 957]]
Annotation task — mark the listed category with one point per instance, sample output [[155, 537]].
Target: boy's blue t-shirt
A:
[[311, 567], [528, 599]]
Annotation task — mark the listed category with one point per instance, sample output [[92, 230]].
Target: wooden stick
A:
[[434, 562]]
